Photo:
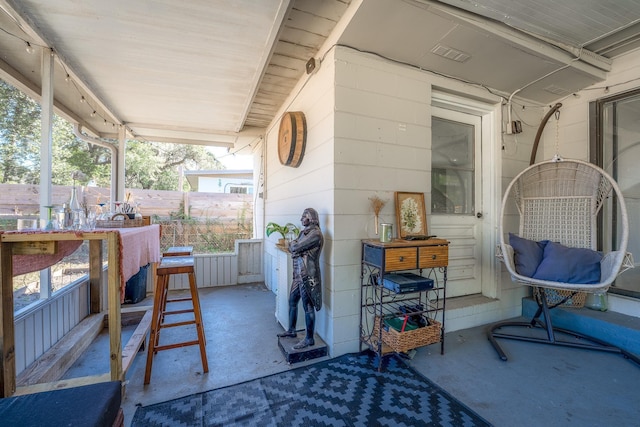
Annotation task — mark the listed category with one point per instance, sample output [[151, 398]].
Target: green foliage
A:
[[142, 165], [272, 227], [149, 165], [210, 235], [19, 137], [155, 166], [72, 154], [181, 214]]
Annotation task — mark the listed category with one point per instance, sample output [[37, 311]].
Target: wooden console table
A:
[[380, 260], [128, 249]]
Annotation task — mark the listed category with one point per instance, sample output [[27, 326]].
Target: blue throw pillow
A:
[[527, 254], [569, 265]]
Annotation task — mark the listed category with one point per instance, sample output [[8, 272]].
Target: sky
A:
[[232, 161]]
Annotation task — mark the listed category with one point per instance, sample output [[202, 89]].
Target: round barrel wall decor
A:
[[292, 138]]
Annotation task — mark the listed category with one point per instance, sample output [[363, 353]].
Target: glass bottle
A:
[[74, 202], [50, 222], [70, 208], [597, 301]]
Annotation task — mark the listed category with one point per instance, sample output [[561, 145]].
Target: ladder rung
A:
[[171, 325]]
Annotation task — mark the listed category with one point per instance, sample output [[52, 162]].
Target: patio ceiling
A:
[[216, 72]]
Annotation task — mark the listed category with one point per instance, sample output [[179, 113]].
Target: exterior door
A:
[[456, 196]]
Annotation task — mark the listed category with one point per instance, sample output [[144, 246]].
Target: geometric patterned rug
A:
[[345, 391]]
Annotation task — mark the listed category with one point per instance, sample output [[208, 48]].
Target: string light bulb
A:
[[82, 100], [29, 48], [67, 78], [93, 113]]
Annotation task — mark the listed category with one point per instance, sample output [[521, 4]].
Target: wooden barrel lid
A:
[[292, 138]]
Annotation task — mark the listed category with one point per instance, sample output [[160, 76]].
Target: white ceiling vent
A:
[[450, 53], [557, 90]]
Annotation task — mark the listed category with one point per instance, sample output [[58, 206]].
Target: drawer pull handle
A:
[[434, 256], [401, 258]]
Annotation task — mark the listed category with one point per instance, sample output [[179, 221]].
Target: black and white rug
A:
[[345, 391]]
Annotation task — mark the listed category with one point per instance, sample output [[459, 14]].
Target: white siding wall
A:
[[515, 158], [382, 145], [574, 118], [369, 134], [289, 191]]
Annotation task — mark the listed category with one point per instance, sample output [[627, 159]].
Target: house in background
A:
[[397, 94], [221, 181]]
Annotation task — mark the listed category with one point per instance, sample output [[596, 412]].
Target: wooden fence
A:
[[20, 200]]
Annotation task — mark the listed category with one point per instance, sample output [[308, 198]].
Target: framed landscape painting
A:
[[410, 214]]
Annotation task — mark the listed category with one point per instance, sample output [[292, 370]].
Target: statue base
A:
[[292, 355]]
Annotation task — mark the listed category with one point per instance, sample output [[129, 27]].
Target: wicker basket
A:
[[554, 296], [408, 340]]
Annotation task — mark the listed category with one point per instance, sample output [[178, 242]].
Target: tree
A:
[[149, 165], [154, 165], [19, 137], [71, 154]]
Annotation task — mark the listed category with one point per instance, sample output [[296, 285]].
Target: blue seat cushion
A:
[[527, 254], [569, 265], [88, 406]]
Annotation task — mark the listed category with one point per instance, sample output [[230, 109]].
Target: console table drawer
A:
[[433, 256], [400, 259]]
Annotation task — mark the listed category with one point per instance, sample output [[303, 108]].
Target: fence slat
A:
[[24, 200]]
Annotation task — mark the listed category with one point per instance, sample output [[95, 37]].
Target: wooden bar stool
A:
[[168, 266], [174, 251], [179, 251]]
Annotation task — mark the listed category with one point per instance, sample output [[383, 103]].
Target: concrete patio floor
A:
[[539, 385]]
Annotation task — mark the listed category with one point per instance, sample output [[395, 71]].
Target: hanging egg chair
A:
[[551, 209]]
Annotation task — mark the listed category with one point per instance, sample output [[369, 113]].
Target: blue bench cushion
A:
[[88, 406]]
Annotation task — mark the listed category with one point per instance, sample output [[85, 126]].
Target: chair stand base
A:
[[579, 340]]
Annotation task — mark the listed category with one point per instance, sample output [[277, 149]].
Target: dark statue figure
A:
[[306, 285]]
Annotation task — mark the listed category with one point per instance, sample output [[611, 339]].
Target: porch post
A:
[[46, 151], [122, 138], [46, 131]]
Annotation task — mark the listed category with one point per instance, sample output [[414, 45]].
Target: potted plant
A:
[[284, 230]]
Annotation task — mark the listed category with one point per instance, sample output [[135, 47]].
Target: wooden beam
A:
[[132, 315], [52, 365], [35, 248], [114, 301], [45, 373], [136, 340], [58, 385], [7, 340], [95, 276]]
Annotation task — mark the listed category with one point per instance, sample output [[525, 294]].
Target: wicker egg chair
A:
[[558, 201]]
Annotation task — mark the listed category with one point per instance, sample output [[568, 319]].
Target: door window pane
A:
[[452, 167]]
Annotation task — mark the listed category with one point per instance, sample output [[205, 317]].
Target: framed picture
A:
[[410, 214]]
